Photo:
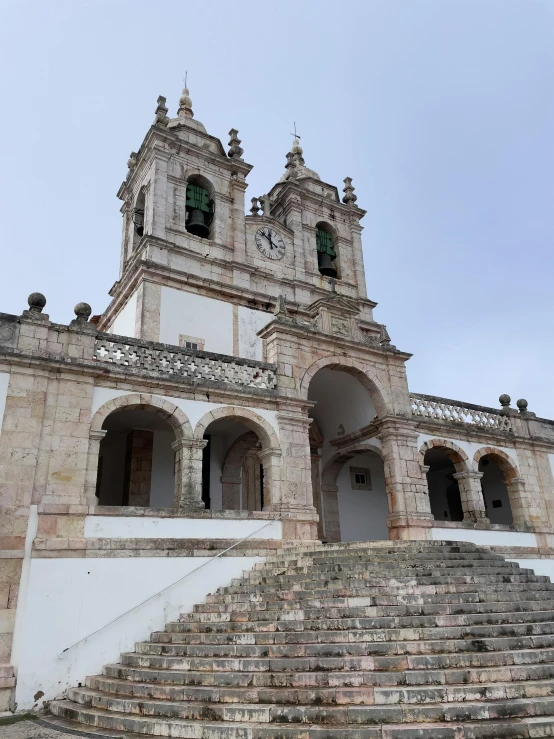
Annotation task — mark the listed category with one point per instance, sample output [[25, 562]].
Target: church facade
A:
[[237, 395]]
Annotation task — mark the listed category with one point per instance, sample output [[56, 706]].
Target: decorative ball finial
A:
[[36, 302], [522, 405], [504, 400], [185, 105], [82, 311]]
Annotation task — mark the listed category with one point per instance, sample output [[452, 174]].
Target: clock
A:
[[270, 243]]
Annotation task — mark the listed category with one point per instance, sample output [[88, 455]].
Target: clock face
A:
[[270, 243]]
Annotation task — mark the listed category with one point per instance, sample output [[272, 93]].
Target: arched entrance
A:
[[444, 491], [498, 473], [238, 460], [349, 494]]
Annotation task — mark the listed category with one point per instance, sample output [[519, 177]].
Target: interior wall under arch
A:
[[363, 513]]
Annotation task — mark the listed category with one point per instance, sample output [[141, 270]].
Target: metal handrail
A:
[[155, 595]]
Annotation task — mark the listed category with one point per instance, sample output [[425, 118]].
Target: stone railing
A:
[[453, 411], [196, 366]]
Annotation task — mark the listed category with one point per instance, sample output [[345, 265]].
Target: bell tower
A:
[[196, 271]]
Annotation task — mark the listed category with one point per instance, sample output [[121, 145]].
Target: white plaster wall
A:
[[363, 513], [162, 482], [155, 527], [250, 322], [4, 381], [195, 315], [68, 599], [469, 447], [125, 322], [193, 409], [485, 538]]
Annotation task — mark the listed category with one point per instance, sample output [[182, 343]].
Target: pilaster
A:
[[188, 475]]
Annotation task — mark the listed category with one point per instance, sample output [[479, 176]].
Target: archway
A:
[[444, 491], [238, 464], [345, 495], [499, 473], [167, 424], [355, 504]]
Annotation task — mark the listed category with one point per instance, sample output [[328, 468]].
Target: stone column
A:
[[271, 460], [91, 474], [409, 508], [188, 475], [471, 495], [292, 497]]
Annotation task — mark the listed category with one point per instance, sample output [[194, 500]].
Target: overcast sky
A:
[[442, 112]]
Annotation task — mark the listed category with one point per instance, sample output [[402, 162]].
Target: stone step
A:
[[337, 586], [537, 723], [410, 563], [306, 682]]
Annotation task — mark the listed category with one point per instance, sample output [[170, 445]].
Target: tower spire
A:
[[185, 103]]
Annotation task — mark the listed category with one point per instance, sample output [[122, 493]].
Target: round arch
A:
[[378, 393], [330, 490], [251, 420], [505, 462], [455, 453], [140, 401]]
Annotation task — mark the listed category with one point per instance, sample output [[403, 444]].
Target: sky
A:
[[441, 111]]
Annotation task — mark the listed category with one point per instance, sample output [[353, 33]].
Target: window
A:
[[199, 208], [191, 342], [360, 478], [326, 254]]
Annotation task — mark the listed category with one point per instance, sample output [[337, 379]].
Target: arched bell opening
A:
[[200, 206], [139, 217], [444, 490], [326, 248], [232, 467], [136, 462], [494, 484], [349, 506]]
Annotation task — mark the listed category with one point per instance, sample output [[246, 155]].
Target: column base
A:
[[411, 527], [478, 518]]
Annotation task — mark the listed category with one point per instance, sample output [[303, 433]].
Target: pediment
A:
[[336, 304]]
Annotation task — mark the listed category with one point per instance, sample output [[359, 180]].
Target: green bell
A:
[[325, 264], [196, 224]]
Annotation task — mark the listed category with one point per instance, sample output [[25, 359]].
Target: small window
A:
[[497, 504], [360, 478], [191, 342]]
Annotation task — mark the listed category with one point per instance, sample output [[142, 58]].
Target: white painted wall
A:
[[195, 315], [155, 527], [485, 538], [193, 409], [469, 447], [4, 381], [125, 321], [250, 322], [69, 598], [363, 513], [162, 482]]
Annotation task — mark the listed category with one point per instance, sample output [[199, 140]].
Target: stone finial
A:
[[505, 401], [185, 105], [255, 206], [235, 150], [522, 405], [297, 153], [282, 309], [384, 338], [36, 302], [161, 118], [82, 311], [132, 163], [265, 205], [348, 191]]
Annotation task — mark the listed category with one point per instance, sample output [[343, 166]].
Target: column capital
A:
[[467, 475], [270, 452], [188, 444], [97, 435]]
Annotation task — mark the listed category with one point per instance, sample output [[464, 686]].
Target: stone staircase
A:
[[373, 640]]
